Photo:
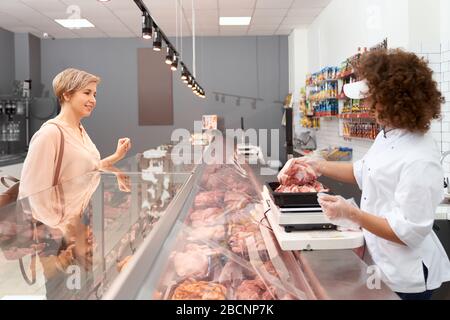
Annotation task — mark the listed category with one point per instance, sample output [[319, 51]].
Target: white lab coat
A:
[[402, 181]]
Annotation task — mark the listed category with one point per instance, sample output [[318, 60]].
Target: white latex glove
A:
[[299, 171], [339, 211]]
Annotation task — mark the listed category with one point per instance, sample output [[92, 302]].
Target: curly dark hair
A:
[[402, 91]]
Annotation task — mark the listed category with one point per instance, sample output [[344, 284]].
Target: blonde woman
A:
[[76, 91]]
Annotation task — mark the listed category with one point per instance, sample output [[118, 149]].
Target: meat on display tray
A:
[[218, 265], [292, 200]]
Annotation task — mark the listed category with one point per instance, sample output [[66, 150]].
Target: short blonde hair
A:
[[71, 80]]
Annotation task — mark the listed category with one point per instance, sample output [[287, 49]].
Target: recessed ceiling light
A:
[[75, 23], [103, 0], [235, 21]]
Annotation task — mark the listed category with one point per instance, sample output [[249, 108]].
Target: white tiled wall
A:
[[438, 56], [328, 136]]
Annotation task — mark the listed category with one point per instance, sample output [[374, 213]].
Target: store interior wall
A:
[[6, 61], [255, 67]]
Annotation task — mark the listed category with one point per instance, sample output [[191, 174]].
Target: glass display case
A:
[[127, 233], [72, 241]]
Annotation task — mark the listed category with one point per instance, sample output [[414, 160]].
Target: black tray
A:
[[292, 200]]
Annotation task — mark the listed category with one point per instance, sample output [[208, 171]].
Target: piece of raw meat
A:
[[206, 217], [207, 233], [296, 173], [313, 187], [253, 290], [208, 199], [191, 263]]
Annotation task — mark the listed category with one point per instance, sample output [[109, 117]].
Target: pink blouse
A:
[[80, 157]]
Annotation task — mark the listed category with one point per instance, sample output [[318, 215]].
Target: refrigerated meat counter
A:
[[175, 232]]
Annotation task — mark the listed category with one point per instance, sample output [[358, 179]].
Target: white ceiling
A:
[[121, 18]]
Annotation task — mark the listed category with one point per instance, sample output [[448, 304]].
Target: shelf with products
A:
[[327, 74], [360, 130]]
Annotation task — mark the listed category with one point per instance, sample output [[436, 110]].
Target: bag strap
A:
[[32, 268], [60, 155], [10, 178]]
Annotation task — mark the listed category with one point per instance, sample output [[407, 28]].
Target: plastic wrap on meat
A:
[[209, 199], [253, 290], [238, 234], [199, 290], [235, 200], [206, 217], [296, 173], [231, 273], [215, 233], [193, 262]]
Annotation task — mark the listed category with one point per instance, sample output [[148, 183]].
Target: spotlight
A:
[[169, 57], [157, 42], [190, 82], [146, 26], [183, 73], [186, 79], [174, 65]]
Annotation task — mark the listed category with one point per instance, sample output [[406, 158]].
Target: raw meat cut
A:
[[235, 200], [206, 217], [238, 234], [296, 172], [191, 263], [207, 233], [253, 290], [313, 187], [199, 290], [208, 199]]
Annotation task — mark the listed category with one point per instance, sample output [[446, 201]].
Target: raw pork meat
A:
[[191, 263], [208, 199], [235, 200], [206, 217], [313, 187], [296, 173], [253, 290], [207, 233]]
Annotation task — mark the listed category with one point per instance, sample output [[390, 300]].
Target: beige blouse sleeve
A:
[[40, 164]]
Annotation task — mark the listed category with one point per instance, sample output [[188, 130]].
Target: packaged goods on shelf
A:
[[323, 91], [327, 73], [361, 130], [327, 108], [337, 154]]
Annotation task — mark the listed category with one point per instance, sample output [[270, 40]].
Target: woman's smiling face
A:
[[84, 101]]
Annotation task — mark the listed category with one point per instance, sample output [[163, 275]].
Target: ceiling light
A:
[[103, 0], [146, 26], [74, 23], [174, 65], [157, 42], [183, 73], [235, 21], [169, 57], [189, 83]]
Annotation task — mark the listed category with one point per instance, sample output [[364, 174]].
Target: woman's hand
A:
[[123, 146], [300, 171], [336, 208]]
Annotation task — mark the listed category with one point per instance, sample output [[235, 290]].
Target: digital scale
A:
[[306, 228]]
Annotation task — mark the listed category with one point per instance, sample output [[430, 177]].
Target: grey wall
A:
[[247, 66], [22, 56], [35, 65], [6, 61]]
